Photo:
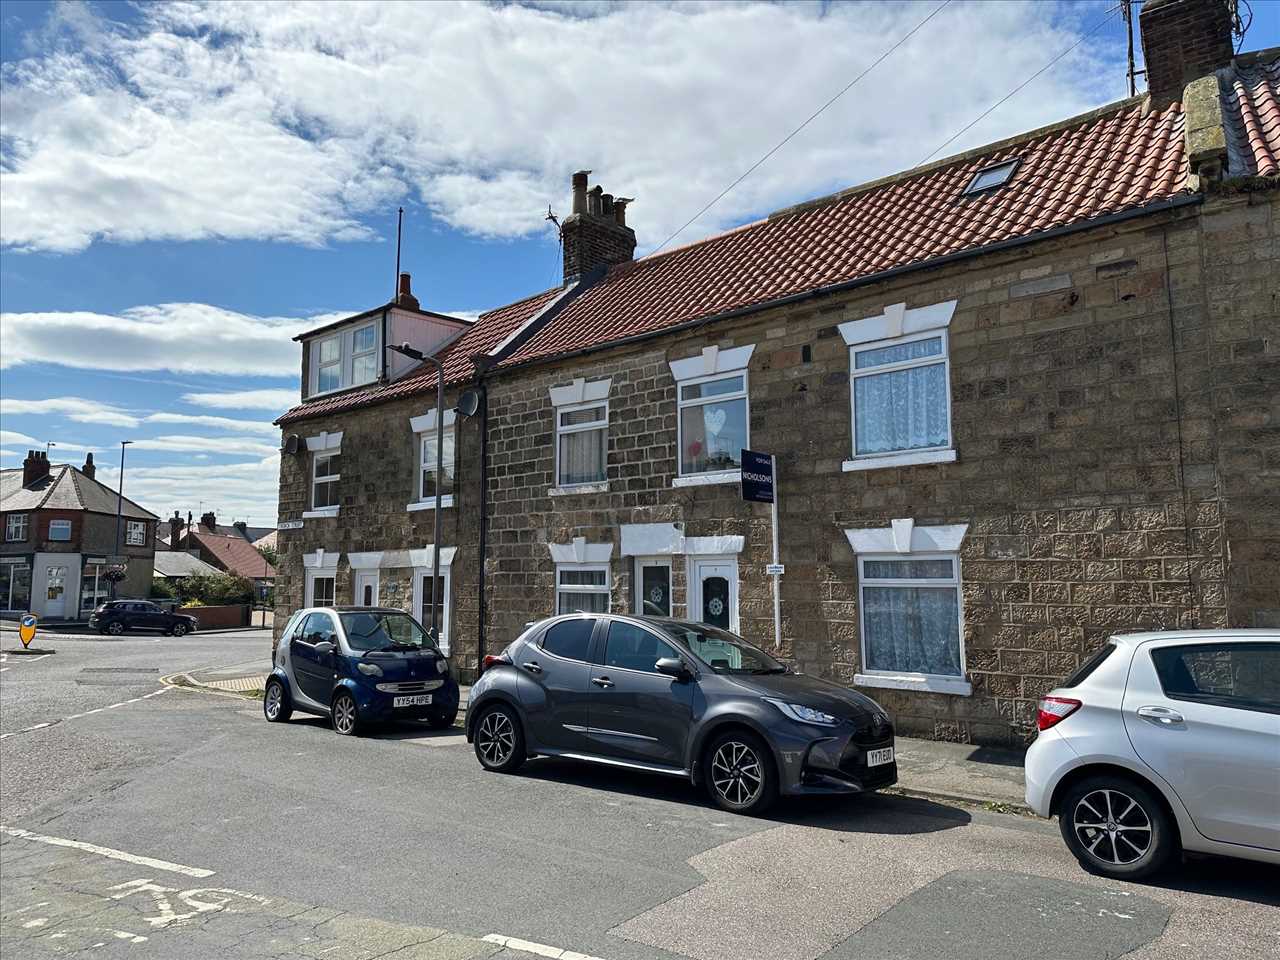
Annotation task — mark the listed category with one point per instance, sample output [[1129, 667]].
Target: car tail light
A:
[[491, 660], [1053, 710]]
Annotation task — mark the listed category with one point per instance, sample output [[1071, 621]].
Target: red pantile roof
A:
[[1121, 158], [1112, 160], [1250, 90], [488, 332], [232, 552]]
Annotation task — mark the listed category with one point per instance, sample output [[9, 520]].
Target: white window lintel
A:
[[579, 551], [898, 321], [580, 391], [427, 422], [712, 360], [365, 561], [322, 559], [420, 559], [325, 441], [904, 533]]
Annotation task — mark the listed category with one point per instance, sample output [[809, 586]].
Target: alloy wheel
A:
[[179, 629], [496, 738], [736, 773], [1112, 827], [115, 629], [274, 699], [344, 714]]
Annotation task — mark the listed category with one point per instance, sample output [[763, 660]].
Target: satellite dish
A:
[[468, 403], [291, 443]]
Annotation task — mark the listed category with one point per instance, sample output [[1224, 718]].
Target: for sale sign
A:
[[757, 477]]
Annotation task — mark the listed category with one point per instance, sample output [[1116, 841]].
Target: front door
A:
[[713, 590], [55, 590], [313, 671], [636, 713], [1206, 718], [366, 588]]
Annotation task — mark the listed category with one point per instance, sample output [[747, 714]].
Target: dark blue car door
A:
[[313, 671], [636, 713], [554, 686]]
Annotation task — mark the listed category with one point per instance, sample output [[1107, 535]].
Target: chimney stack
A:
[[596, 233], [35, 467], [1183, 40], [209, 521], [243, 527], [405, 297], [89, 469], [175, 531]]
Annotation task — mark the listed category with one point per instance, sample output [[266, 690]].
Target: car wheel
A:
[[739, 773], [178, 630], [346, 715], [115, 629], [443, 722], [499, 740], [1116, 828], [275, 703]]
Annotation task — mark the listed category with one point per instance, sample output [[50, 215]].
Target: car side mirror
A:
[[325, 647], [673, 667]]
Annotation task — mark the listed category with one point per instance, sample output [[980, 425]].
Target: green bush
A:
[[216, 589], [162, 589]]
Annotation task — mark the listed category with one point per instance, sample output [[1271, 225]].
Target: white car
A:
[[1163, 742]]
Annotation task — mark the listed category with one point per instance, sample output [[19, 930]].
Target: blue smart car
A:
[[357, 666]]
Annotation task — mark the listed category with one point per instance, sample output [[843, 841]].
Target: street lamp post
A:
[[119, 510], [413, 354]]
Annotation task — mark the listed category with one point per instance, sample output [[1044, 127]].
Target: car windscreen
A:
[[721, 650], [378, 630]]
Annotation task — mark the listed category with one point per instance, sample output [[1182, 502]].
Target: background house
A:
[[223, 547], [61, 537]]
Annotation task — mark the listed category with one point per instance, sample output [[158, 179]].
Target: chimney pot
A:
[[1183, 40], [405, 297], [209, 520], [594, 200], [580, 191], [620, 210]]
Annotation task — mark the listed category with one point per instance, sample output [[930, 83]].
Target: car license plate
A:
[[421, 700], [876, 758]]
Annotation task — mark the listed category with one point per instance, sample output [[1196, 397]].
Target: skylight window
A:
[[988, 178]]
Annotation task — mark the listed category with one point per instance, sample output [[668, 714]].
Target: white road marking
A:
[[538, 949], [150, 862], [77, 716]]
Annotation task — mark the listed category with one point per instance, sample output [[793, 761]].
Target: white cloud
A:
[[73, 408], [31, 443], [217, 423], [186, 337], [277, 400], [244, 490], [228, 445], [292, 121]]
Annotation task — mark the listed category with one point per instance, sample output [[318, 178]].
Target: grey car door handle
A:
[[1160, 715], [532, 666], [602, 681]]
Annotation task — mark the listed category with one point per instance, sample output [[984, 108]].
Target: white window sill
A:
[[570, 489], [322, 512], [446, 500], [906, 459], [957, 686], [707, 479]]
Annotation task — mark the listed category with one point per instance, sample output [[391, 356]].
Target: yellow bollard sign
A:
[[27, 628]]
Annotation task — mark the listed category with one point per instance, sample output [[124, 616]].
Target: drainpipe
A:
[[484, 519]]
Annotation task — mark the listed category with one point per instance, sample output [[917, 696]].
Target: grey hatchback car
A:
[[683, 699]]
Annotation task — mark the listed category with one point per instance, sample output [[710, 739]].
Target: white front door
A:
[[366, 588], [55, 588], [713, 591]]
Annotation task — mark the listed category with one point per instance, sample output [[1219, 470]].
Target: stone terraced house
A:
[[1020, 399]]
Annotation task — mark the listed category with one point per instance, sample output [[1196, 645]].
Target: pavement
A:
[[151, 821]]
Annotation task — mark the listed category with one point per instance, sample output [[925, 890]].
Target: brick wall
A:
[[1183, 40]]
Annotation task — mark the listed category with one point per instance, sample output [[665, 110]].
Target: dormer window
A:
[[345, 358], [988, 178]]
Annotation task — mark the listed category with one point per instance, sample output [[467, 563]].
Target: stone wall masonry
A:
[[1070, 470]]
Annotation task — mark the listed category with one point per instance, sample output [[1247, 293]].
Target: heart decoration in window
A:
[[714, 420]]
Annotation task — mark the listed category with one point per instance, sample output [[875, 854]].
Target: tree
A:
[[269, 554], [216, 589]]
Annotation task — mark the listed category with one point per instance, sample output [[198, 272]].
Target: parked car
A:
[[358, 666], [1163, 742], [683, 699], [117, 616]]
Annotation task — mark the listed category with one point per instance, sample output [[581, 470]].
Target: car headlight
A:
[[443, 667], [369, 669], [804, 714]]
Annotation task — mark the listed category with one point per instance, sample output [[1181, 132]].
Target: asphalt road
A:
[[289, 841]]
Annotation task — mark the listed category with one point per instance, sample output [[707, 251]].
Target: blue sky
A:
[[187, 186]]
